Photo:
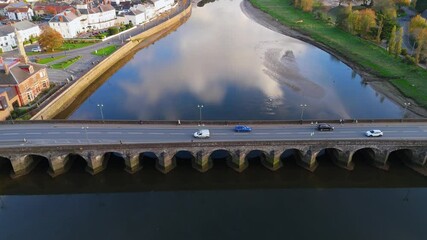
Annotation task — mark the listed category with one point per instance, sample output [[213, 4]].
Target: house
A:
[[135, 16], [67, 23], [27, 80], [147, 8], [42, 8], [5, 105], [162, 5], [7, 38], [27, 29], [101, 16], [19, 11]]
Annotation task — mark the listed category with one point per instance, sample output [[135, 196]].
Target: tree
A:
[[307, 5], [398, 47], [51, 10], [392, 41], [367, 21], [50, 39], [380, 29], [401, 3], [421, 40], [417, 22]]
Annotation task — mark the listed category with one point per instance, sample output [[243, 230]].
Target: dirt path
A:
[[380, 85]]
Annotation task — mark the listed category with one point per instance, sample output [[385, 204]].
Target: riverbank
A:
[[391, 77]]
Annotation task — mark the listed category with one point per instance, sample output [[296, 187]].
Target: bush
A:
[[410, 59], [113, 31], [404, 52]]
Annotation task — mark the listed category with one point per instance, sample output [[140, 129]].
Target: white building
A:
[[19, 11], [67, 23], [100, 17], [135, 16], [148, 9], [162, 5], [27, 29], [7, 38]]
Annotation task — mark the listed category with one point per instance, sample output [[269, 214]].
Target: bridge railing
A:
[[218, 122]]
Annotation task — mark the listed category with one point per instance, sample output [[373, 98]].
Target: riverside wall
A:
[[71, 93]]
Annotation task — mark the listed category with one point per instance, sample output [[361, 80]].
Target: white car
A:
[[202, 133], [36, 49], [374, 133]]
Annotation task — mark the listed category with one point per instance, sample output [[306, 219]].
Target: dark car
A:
[[324, 127], [242, 128]]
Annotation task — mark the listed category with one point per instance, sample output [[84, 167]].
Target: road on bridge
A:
[[37, 134]]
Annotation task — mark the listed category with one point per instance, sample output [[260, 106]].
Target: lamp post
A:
[[85, 129], [100, 109], [406, 104], [302, 110], [200, 114]]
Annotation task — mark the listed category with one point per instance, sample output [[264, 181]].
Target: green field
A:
[[409, 79], [105, 51], [48, 59], [66, 64], [70, 46]]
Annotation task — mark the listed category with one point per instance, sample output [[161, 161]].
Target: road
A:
[[77, 134]]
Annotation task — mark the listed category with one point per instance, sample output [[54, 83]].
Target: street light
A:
[[85, 129], [100, 109], [406, 104], [302, 110], [200, 114]]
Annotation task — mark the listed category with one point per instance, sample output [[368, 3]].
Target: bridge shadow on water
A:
[[184, 177]]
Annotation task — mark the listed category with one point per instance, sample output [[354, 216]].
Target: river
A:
[[238, 70]]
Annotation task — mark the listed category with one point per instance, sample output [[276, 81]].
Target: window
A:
[[30, 96], [44, 84]]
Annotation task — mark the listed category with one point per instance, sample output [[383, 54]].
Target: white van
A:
[[202, 133]]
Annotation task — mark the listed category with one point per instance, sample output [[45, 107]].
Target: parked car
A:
[[202, 133], [324, 127], [242, 128], [36, 49], [374, 133]]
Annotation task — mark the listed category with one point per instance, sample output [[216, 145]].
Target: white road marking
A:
[[10, 133], [72, 132], [156, 133], [53, 132], [135, 133], [114, 133], [33, 133], [177, 133]]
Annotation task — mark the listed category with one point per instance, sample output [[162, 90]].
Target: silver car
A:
[[374, 133]]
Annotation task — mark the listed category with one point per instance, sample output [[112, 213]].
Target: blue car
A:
[[242, 128]]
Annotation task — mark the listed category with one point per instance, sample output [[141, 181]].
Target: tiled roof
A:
[[18, 74], [23, 25], [6, 29], [67, 16]]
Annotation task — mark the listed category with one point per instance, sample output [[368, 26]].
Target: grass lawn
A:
[[70, 46], [105, 51], [409, 79], [66, 64], [48, 59]]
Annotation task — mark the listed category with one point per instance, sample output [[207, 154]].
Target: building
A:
[[49, 8], [67, 23], [27, 29], [19, 11], [20, 81], [135, 16], [162, 5], [101, 16], [7, 38]]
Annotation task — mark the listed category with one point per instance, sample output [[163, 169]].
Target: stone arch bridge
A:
[[24, 159]]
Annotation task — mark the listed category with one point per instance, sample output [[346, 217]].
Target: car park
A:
[[202, 133], [242, 128], [374, 133], [324, 127]]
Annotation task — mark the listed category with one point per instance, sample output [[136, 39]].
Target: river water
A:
[[237, 70]]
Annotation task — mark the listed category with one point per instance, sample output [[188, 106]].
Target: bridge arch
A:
[[114, 159], [75, 162], [5, 166], [220, 157], [373, 155], [400, 154]]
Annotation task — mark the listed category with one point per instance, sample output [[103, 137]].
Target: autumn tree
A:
[[401, 3], [367, 21], [50, 10], [421, 41], [417, 23], [307, 5], [50, 39], [398, 47], [392, 41], [353, 22]]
